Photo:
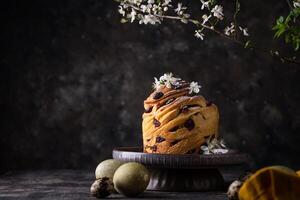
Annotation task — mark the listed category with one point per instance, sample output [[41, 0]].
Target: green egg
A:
[[107, 168], [131, 179]]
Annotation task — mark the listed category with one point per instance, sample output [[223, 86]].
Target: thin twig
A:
[[290, 5], [237, 9]]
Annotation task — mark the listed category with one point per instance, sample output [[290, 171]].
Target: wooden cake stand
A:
[[185, 172]]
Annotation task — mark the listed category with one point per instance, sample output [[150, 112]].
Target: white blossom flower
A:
[[219, 151], [205, 4], [199, 34], [132, 15], [151, 19], [222, 143], [194, 87], [179, 10], [166, 2], [218, 12], [296, 4], [214, 147], [151, 1], [124, 5], [166, 76], [205, 150], [169, 80], [233, 189], [216, 144], [205, 18], [146, 8], [137, 2], [157, 84], [122, 11], [244, 31], [229, 29], [155, 8]]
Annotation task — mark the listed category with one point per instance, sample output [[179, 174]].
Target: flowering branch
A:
[[185, 18], [155, 11]]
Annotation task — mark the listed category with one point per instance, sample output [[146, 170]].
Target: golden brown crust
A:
[[176, 123]]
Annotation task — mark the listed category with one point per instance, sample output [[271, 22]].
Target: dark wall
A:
[[73, 81]]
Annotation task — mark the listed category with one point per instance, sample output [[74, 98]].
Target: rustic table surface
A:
[[73, 184]]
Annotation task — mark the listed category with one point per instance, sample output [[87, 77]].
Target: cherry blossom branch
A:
[[195, 22], [276, 55], [155, 13]]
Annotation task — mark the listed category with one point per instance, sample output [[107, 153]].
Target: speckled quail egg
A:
[[102, 187]]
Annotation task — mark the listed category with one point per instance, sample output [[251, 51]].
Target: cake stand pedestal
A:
[[185, 172]]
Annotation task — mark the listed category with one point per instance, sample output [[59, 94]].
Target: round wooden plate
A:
[[183, 172], [178, 161]]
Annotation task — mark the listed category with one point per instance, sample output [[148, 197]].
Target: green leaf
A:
[[289, 28], [248, 44], [279, 32], [280, 20]]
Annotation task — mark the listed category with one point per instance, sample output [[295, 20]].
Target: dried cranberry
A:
[[158, 95], [153, 148], [174, 142], [184, 109], [189, 124], [156, 122], [149, 110], [208, 103], [160, 139], [174, 129], [191, 151]]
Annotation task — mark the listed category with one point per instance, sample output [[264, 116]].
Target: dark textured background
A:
[[73, 81]]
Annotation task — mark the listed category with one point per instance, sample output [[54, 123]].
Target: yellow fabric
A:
[[272, 183]]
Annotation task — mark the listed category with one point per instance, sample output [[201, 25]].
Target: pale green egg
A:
[[107, 168], [131, 179]]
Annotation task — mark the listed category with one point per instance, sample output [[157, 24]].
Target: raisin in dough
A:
[[174, 122]]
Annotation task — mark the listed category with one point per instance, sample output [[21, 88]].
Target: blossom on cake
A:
[[168, 80], [214, 147], [194, 87]]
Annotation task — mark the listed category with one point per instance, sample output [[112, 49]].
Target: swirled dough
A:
[[175, 122]]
